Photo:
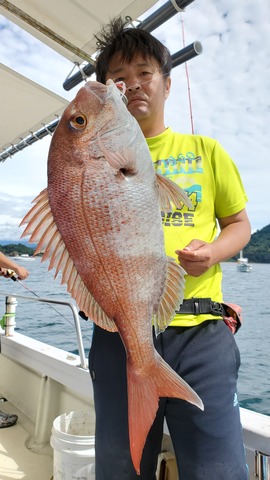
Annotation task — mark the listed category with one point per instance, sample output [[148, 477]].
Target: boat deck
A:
[[58, 384], [16, 460], [36, 380]]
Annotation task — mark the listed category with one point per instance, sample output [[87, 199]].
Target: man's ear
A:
[[168, 82]]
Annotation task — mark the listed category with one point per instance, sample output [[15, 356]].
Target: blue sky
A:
[[229, 88]]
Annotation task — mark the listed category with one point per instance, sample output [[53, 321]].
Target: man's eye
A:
[[147, 73], [118, 79]]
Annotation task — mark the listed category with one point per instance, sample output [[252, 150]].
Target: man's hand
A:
[[196, 257]]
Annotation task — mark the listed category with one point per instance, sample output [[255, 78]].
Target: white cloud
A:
[[229, 86], [12, 210]]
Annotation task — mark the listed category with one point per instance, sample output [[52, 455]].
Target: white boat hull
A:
[[243, 264], [42, 382], [244, 268], [23, 258]]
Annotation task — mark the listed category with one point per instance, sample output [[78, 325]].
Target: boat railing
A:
[[11, 304]]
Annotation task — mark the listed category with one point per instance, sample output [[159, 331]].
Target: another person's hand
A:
[[3, 272], [21, 272]]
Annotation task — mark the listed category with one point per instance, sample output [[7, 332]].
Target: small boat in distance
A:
[[243, 264], [24, 257]]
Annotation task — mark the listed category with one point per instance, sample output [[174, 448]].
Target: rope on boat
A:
[[187, 77]]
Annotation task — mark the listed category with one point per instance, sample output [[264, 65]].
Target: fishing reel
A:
[[11, 274]]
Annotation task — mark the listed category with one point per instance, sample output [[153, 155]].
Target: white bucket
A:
[[74, 446]]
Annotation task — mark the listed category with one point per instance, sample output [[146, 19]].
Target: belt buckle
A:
[[216, 309]]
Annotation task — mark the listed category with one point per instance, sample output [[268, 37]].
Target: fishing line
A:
[[187, 78], [13, 277], [123, 88]]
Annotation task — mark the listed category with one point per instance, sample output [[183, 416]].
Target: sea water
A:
[[54, 324]]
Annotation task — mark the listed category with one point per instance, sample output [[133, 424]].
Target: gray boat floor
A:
[[16, 460]]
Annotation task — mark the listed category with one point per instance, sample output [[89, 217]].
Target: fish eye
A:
[[78, 121]]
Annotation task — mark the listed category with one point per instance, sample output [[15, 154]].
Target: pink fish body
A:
[[99, 223]]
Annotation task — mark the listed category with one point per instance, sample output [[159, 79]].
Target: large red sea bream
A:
[[99, 223]]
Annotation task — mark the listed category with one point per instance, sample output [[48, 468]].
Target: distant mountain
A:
[[258, 248], [11, 248], [16, 242]]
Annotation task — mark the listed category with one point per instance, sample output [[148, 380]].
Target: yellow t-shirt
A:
[[205, 171]]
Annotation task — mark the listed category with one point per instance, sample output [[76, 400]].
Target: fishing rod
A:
[[12, 275]]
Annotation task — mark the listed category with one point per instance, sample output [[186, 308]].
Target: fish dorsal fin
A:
[[170, 192], [43, 230], [172, 296]]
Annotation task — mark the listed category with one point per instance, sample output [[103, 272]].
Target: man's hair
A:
[[117, 37]]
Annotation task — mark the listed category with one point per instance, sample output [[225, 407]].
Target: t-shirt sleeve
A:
[[231, 197]]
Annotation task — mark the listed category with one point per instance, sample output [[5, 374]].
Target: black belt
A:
[[198, 306]]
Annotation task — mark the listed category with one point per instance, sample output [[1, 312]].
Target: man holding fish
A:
[[197, 344], [114, 173]]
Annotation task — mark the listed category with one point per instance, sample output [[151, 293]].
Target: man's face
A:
[[146, 87]]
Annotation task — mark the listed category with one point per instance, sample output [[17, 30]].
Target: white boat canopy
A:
[[32, 106], [62, 24], [68, 27]]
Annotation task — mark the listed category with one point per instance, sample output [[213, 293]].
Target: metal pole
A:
[[179, 57], [262, 466], [29, 140], [163, 14], [75, 316], [187, 53], [11, 304], [71, 82]]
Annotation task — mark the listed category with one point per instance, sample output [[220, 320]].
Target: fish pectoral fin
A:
[[172, 296], [170, 192], [124, 161], [43, 230]]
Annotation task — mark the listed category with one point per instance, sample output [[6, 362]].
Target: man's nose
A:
[[134, 87]]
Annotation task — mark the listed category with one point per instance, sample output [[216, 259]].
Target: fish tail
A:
[[143, 399]]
